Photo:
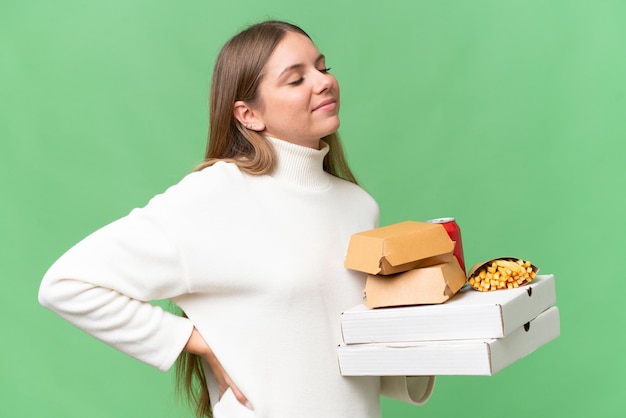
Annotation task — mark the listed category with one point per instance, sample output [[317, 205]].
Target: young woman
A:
[[250, 246]]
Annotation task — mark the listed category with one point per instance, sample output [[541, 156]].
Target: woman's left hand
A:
[[197, 345]]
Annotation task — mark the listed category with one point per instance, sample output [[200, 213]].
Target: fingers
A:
[[197, 345], [241, 397], [225, 382]]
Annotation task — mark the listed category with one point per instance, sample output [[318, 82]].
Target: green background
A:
[[508, 115]]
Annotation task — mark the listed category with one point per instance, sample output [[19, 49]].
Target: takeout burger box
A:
[[398, 248], [420, 286]]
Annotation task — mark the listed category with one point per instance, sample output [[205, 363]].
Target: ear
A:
[[248, 117]]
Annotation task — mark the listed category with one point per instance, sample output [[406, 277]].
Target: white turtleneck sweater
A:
[[256, 263]]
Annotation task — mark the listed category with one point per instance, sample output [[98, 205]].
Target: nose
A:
[[323, 82]]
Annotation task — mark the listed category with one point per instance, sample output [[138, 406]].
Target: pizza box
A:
[[469, 314], [481, 357]]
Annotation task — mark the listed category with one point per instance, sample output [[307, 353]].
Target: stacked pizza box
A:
[[419, 318]]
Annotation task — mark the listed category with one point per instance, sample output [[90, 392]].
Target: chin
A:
[[331, 129]]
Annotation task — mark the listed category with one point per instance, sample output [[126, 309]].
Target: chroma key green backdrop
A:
[[506, 114]]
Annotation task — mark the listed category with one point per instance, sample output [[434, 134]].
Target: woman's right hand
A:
[[197, 345]]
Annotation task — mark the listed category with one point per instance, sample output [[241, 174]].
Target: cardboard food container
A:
[[477, 268], [399, 247], [421, 286]]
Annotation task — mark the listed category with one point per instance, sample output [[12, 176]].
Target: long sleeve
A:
[[255, 262], [103, 286]]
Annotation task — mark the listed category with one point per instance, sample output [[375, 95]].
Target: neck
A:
[[315, 144], [300, 165]]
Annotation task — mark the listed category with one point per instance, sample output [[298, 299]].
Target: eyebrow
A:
[[299, 65]]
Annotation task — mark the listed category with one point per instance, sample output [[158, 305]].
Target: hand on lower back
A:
[[197, 345]]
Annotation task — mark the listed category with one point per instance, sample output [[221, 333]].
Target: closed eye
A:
[[299, 81]]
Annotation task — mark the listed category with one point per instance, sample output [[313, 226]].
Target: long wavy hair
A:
[[236, 76]]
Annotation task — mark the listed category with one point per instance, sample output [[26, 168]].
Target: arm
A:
[[103, 286]]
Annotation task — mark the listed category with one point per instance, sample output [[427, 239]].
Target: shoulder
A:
[[354, 190], [218, 176], [214, 179], [355, 194], [195, 192]]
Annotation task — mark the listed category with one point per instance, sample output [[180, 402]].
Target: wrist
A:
[[197, 345]]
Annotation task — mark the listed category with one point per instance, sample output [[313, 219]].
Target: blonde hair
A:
[[236, 76]]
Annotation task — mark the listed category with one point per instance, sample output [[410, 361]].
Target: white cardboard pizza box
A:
[[470, 314], [449, 357]]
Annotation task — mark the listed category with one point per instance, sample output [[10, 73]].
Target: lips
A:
[[329, 104]]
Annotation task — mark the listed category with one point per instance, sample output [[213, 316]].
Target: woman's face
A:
[[298, 97]]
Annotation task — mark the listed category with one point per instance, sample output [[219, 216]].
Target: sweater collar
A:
[[300, 166]]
